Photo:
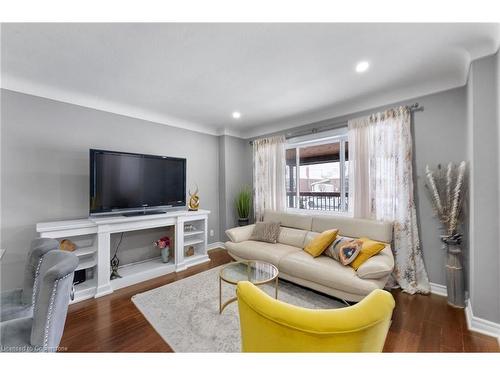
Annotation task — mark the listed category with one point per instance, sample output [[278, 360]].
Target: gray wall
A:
[[44, 170], [45, 176], [483, 97], [439, 135], [235, 166], [222, 187], [498, 162]]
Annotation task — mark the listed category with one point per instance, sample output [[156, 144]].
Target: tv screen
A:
[[122, 181]]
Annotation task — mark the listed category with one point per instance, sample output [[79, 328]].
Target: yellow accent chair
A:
[[269, 325]]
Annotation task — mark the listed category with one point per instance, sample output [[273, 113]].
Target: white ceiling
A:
[[277, 75]]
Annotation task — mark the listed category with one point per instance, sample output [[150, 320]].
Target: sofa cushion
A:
[[292, 237], [325, 271], [297, 221], [351, 227], [377, 266], [255, 250]]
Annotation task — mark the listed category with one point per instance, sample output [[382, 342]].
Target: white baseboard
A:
[[481, 325], [439, 289], [215, 245], [474, 323]]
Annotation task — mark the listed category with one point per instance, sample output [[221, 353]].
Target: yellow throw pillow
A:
[[321, 242], [368, 249]]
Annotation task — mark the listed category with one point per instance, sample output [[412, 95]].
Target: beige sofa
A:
[[323, 274]]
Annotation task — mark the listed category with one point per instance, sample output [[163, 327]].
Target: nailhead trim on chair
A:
[[35, 284], [49, 312]]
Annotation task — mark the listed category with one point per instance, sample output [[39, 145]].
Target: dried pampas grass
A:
[[446, 192]]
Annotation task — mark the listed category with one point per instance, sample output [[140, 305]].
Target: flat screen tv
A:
[[126, 182]]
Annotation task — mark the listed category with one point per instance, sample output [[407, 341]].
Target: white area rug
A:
[[186, 312]]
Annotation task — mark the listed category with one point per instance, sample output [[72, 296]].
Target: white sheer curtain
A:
[[269, 175], [381, 187]]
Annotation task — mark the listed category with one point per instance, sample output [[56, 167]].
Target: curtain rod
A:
[[413, 108]]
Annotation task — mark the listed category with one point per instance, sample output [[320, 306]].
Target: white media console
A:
[[93, 239]]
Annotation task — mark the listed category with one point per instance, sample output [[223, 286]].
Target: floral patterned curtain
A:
[[380, 166], [269, 175]]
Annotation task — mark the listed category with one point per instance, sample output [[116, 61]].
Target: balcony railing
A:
[[315, 200]]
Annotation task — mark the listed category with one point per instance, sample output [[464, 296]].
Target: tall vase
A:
[[455, 277], [165, 254]]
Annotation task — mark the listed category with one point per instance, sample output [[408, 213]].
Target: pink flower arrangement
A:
[[162, 242]]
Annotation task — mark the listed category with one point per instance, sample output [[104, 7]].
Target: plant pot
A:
[[242, 221], [165, 254], [455, 277]]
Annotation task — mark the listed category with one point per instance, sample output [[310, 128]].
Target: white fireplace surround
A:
[[94, 235]]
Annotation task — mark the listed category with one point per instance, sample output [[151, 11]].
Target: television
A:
[[135, 183]]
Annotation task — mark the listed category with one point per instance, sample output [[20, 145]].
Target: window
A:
[[317, 173]]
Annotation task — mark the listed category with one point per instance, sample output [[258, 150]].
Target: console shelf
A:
[[93, 239], [196, 259], [193, 242], [193, 233], [141, 271], [86, 263], [84, 251], [85, 290]]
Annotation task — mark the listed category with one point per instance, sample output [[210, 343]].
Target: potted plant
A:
[[243, 204], [447, 189]]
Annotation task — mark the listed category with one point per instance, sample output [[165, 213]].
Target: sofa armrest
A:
[[240, 234], [378, 266]]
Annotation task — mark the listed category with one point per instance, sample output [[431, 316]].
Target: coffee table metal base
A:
[[222, 306]]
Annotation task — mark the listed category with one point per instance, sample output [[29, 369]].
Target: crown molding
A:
[[231, 133], [342, 109], [353, 106], [348, 107], [23, 86], [375, 100]]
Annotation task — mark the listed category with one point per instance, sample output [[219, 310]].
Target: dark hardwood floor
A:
[[113, 324]]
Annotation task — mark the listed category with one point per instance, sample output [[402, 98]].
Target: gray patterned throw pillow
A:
[[266, 231]]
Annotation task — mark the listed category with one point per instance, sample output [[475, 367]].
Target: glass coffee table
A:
[[255, 271]]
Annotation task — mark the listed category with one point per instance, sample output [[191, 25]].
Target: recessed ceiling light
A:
[[362, 66], [236, 114]]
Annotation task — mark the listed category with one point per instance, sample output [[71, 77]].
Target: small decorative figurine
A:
[[163, 244], [67, 245], [190, 251], [194, 200], [115, 263]]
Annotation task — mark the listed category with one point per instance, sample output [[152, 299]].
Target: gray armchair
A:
[[18, 303], [43, 331]]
